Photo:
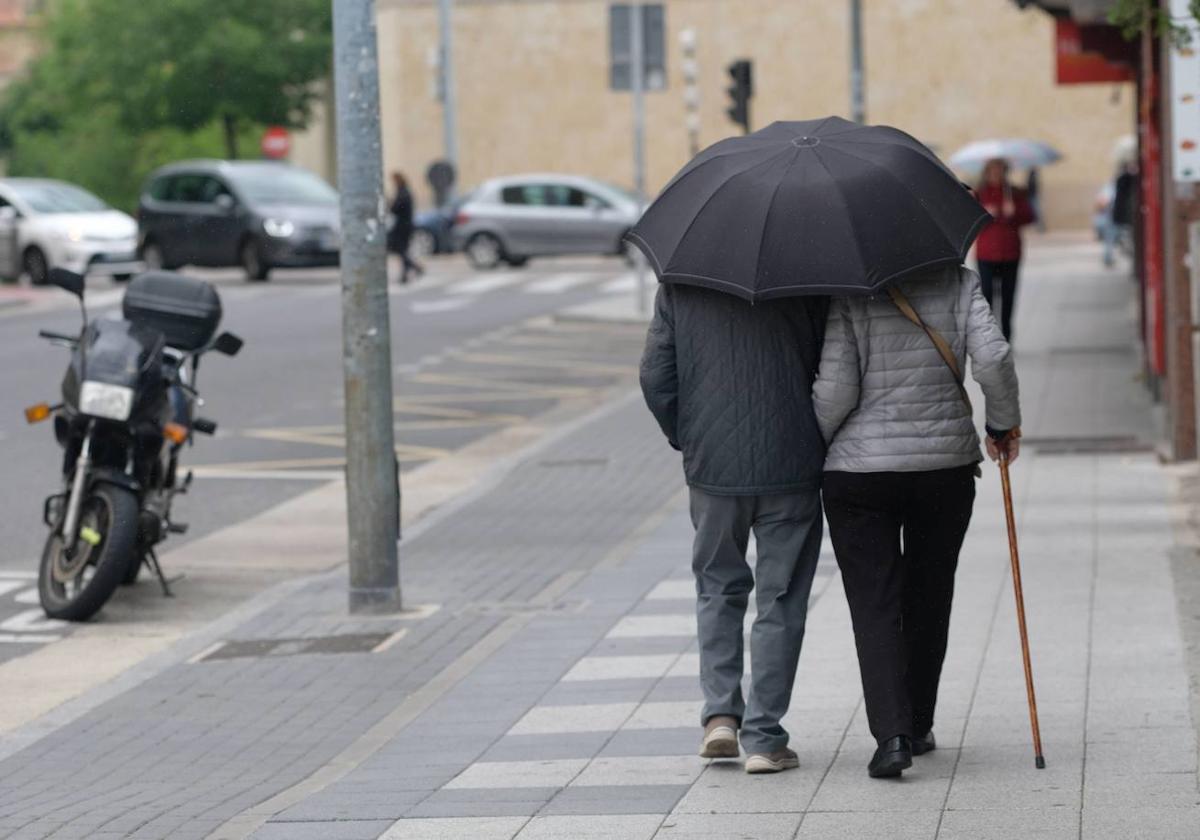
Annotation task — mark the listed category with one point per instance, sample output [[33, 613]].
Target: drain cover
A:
[[259, 648], [1100, 445]]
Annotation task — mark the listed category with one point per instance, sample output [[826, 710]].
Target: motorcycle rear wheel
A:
[[76, 589]]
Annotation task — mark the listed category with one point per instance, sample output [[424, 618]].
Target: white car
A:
[[47, 224], [512, 219]]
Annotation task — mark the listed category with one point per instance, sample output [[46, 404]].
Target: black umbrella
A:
[[815, 207]]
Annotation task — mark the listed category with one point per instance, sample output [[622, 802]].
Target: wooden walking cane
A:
[[1039, 760]]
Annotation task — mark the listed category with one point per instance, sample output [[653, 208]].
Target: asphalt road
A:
[[467, 363]]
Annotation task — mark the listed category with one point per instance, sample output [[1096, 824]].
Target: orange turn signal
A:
[[175, 433], [37, 413]]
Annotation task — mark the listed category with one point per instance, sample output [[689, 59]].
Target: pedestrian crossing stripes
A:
[[455, 293]]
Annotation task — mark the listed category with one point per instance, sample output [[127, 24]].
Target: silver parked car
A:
[[509, 220]]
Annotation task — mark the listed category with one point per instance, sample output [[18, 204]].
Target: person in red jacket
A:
[[998, 247]]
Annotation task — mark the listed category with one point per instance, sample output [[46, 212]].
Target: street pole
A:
[[372, 484], [446, 67], [858, 104], [637, 84]]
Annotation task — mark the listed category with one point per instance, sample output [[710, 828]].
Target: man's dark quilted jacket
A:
[[730, 384]]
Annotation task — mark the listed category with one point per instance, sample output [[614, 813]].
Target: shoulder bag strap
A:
[[942, 346]]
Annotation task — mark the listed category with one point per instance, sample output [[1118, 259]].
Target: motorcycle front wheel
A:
[[75, 588]]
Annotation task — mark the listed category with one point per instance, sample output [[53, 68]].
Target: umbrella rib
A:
[[774, 194], [846, 204], [958, 247]]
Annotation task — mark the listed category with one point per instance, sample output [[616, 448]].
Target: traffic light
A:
[[741, 71]]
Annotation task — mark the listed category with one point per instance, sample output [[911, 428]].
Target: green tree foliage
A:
[[1133, 16], [122, 86]]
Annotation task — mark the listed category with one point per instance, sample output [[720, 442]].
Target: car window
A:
[[211, 189], [513, 195], [189, 188], [277, 184], [593, 201], [56, 197], [160, 188]]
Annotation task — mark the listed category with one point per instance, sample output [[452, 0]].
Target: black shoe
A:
[[924, 743], [893, 756]]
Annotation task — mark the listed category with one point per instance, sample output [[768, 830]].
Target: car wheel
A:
[[250, 258], [121, 278], [484, 251], [422, 244], [153, 257], [516, 262], [36, 267]]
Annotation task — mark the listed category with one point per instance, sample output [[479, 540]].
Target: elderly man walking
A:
[[730, 384]]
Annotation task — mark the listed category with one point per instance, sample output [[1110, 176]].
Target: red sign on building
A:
[[1078, 65]]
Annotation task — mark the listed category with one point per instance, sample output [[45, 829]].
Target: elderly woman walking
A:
[[900, 480]]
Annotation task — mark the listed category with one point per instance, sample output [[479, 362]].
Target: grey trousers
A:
[[788, 532]]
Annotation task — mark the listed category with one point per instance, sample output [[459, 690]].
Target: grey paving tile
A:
[[456, 828], [535, 747], [677, 741], [1140, 823], [1005, 824], [729, 827], [613, 827], [877, 825], [616, 799], [347, 830]]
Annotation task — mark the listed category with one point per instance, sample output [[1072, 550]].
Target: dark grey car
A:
[[255, 214]]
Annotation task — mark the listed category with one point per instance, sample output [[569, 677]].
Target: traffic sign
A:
[[276, 142]]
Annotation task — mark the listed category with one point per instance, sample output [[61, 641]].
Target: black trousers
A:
[[897, 536], [1006, 273]]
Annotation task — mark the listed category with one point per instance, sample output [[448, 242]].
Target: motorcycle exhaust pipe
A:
[[83, 466]]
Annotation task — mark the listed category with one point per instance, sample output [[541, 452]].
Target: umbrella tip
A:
[[1039, 762]]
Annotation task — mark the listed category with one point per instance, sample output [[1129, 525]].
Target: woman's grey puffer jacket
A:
[[884, 398]]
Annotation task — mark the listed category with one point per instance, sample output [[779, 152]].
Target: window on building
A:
[[653, 46]]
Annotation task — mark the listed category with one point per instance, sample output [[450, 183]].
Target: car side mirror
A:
[[225, 203], [227, 344], [67, 280]]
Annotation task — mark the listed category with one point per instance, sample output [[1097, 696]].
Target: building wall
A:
[[532, 84]]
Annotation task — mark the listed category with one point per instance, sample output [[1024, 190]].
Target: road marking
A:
[[31, 621], [558, 284], [532, 361], [7, 586], [390, 641], [27, 639], [423, 307], [270, 475], [28, 597], [624, 283], [486, 283], [19, 574]]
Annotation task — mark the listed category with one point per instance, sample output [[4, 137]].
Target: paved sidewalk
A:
[[548, 689]]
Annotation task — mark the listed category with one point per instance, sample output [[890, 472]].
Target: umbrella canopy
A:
[[816, 207], [1019, 152]]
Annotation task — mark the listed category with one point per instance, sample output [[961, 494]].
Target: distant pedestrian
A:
[[900, 481], [998, 247], [730, 384], [1120, 210], [1033, 191], [401, 230]]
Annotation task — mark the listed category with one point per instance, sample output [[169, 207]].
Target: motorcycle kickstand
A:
[[152, 562]]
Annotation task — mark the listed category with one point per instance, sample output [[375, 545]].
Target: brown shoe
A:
[[720, 738], [775, 762]]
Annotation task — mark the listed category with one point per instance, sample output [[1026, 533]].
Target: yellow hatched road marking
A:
[[535, 362]]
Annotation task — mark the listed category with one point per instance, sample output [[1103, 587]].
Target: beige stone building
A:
[[533, 85]]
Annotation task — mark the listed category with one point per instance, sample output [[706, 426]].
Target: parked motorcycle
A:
[[128, 408]]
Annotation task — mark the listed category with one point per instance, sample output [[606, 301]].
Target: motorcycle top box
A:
[[185, 310]]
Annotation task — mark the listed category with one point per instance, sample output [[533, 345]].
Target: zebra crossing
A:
[[457, 292]]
